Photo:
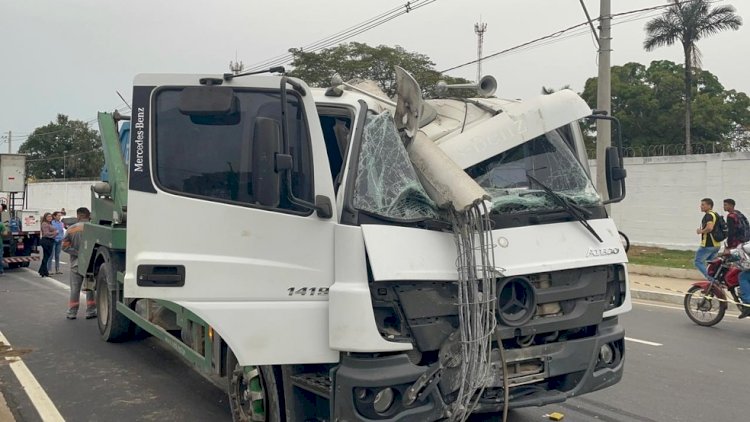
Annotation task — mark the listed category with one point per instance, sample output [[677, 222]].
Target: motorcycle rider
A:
[[741, 255]]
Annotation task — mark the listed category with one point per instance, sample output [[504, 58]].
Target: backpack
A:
[[719, 232], [743, 227]]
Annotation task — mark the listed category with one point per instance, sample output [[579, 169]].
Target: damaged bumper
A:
[[395, 389]]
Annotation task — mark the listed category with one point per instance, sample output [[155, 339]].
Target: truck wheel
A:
[[253, 392], [113, 326]]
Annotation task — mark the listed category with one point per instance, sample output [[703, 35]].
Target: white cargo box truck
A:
[[24, 224]]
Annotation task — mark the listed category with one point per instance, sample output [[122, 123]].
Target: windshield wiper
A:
[[575, 210]]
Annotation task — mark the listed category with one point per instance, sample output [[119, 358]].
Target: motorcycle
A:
[[706, 302]]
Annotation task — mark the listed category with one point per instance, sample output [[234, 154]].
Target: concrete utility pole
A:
[[603, 95], [10, 141], [479, 29]]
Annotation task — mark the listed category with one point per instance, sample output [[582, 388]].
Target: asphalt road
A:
[[675, 370]]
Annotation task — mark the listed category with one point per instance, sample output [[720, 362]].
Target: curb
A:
[[653, 271], [688, 274], [672, 298]]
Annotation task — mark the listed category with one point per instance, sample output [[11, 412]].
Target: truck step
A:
[[318, 383]]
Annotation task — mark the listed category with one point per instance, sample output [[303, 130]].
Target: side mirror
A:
[[615, 174], [266, 144]]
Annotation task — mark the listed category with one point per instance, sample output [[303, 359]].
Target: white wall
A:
[[661, 207]]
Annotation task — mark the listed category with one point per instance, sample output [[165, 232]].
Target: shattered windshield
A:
[[387, 184], [546, 158]]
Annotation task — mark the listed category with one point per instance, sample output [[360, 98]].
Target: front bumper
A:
[[567, 368]]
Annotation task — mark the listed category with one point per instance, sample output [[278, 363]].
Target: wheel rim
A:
[[250, 393], [704, 307]]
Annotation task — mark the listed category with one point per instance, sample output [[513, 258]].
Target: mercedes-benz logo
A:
[[516, 301]]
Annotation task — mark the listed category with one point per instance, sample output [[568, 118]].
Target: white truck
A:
[[23, 226], [324, 286]]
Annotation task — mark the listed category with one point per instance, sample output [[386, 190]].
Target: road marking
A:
[[39, 398], [657, 305], [650, 343], [49, 280], [730, 312]]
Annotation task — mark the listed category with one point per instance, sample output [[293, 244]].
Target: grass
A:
[[644, 255]]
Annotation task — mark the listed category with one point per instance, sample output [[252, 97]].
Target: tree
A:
[[63, 149], [688, 22], [357, 60], [648, 103]]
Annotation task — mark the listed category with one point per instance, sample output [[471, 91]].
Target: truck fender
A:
[[106, 257]]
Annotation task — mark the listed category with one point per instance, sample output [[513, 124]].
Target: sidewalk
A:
[[661, 284]]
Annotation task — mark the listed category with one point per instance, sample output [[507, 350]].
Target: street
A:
[[675, 370]]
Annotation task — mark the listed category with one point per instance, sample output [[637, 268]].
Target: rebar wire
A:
[[477, 301]]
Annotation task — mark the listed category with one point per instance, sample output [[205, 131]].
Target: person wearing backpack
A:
[[711, 237], [738, 228]]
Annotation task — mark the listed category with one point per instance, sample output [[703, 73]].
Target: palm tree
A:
[[687, 22]]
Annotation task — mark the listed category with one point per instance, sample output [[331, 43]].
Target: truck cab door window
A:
[[336, 123], [211, 158]]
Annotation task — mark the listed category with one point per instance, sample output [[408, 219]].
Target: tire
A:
[[703, 310], [113, 326], [253, 392], [625, 241]]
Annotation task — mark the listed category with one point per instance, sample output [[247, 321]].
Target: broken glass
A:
[[387, 183], [548, 159]]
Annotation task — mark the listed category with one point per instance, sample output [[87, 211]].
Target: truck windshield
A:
[[386, 183], [546, 158]]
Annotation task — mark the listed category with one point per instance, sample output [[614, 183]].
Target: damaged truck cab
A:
[[278, 237]]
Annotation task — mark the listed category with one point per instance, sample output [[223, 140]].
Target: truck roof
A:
[[463, 128]]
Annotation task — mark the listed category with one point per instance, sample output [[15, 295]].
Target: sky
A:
[[74, 56]]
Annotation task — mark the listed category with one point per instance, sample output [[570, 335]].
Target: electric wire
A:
[[90, 122], [556, 36], [275, 59], [346, 34]]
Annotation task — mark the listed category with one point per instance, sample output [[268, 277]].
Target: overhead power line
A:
[[557, 35], [90, 122], [345, 34]]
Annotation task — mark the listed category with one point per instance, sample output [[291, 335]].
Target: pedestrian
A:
[[57, 247], [737, 225], [3, 233], [71, 244], [741, 255], [47, 241], [709, 247], [62, 211]]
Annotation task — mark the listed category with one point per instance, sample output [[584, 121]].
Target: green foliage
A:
[[659, 257], [687, 22], [357, 60], [63, 148], [650, 106]]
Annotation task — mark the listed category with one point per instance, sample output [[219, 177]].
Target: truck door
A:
[[216, 229]]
